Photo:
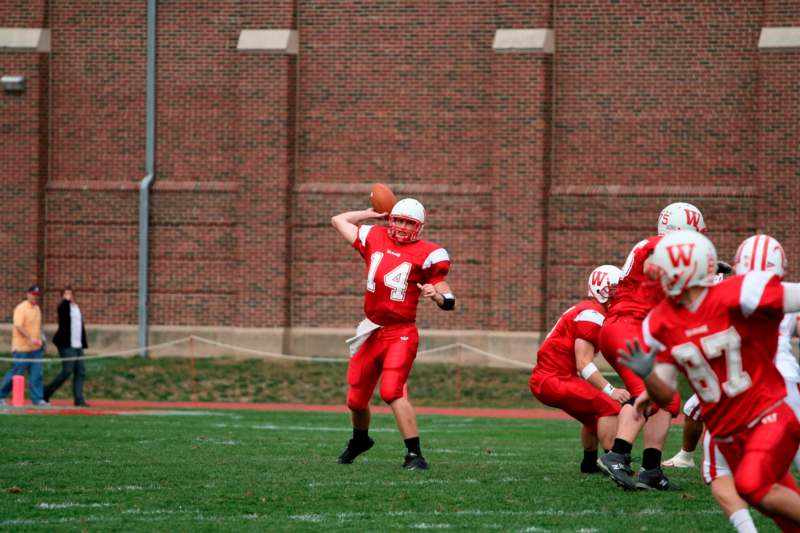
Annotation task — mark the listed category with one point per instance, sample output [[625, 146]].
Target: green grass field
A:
[[267, 471]]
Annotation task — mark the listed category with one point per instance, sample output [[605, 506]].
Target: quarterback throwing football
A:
[[399, 269]]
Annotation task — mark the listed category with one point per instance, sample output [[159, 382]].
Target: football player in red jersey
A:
[[756, 253], [400, 269], [567, 352], [724, 338], [635, 296]]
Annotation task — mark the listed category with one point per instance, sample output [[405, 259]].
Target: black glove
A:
[[723, 268]]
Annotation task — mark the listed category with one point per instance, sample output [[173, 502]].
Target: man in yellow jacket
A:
[[26, 343]]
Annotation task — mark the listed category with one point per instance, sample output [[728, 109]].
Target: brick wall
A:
[[23, 159], [660, 99], [535, 168]]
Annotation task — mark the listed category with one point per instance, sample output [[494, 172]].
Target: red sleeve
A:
[[436, 266], [360, 243], [438, 272], [588, 331], [587, 326], [650, 335]]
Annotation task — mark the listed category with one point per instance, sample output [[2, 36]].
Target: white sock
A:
[[689, 456], [743, 522]]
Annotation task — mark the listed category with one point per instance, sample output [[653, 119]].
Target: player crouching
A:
[[567, 352], [400, 269]]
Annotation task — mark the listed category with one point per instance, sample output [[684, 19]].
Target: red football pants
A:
[[614, 333], [762, 455], [575, 396], [390, 351]]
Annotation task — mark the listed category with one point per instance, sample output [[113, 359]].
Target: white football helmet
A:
[[410, 210], [601, 282], [760, 252], [680, 216], [683, 259]]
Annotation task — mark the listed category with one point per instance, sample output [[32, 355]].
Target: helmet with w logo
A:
[[683, 259], [680, 216], [601, 282], [760, 252]]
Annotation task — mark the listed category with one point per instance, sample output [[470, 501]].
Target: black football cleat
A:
[[654, 479], [354, 449], [618, 467], [415, 462]]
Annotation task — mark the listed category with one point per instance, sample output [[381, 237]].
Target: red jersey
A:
[[556, 354], [393, 271], [726, 348], [636, 293]]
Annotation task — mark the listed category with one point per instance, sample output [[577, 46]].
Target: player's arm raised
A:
[[440, 293], [584, 361], [347, 223]]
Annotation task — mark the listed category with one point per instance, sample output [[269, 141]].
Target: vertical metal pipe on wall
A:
[[150, 174]]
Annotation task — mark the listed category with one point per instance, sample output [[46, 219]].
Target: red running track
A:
[[112, 407]]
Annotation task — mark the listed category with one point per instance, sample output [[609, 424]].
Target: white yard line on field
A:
[[67, 505]]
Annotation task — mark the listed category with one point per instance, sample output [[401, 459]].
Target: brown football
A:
[[383, 199]]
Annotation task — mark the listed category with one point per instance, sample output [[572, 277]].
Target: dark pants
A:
[[69, 368]]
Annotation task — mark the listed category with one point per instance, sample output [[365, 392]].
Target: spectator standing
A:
[[70, 339], [27, 343]]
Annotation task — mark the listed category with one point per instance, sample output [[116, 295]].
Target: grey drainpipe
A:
[[150, 174]]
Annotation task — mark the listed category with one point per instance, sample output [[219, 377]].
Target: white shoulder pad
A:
[[752, 290], [362, 234], [590, 315], [436, 256]]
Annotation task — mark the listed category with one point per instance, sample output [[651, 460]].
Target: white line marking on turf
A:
[[347, 483], [167, 412], [67, 505], [127, 488], [424, 525], [306, 517], [137, 510], [319, 428]]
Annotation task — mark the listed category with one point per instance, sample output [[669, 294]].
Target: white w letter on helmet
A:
[[602, 280], [680, 216], [683, 259]]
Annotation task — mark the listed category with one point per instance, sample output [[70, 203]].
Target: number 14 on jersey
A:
[[396, 279]]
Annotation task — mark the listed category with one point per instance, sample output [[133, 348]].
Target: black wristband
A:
[[448, 302]]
